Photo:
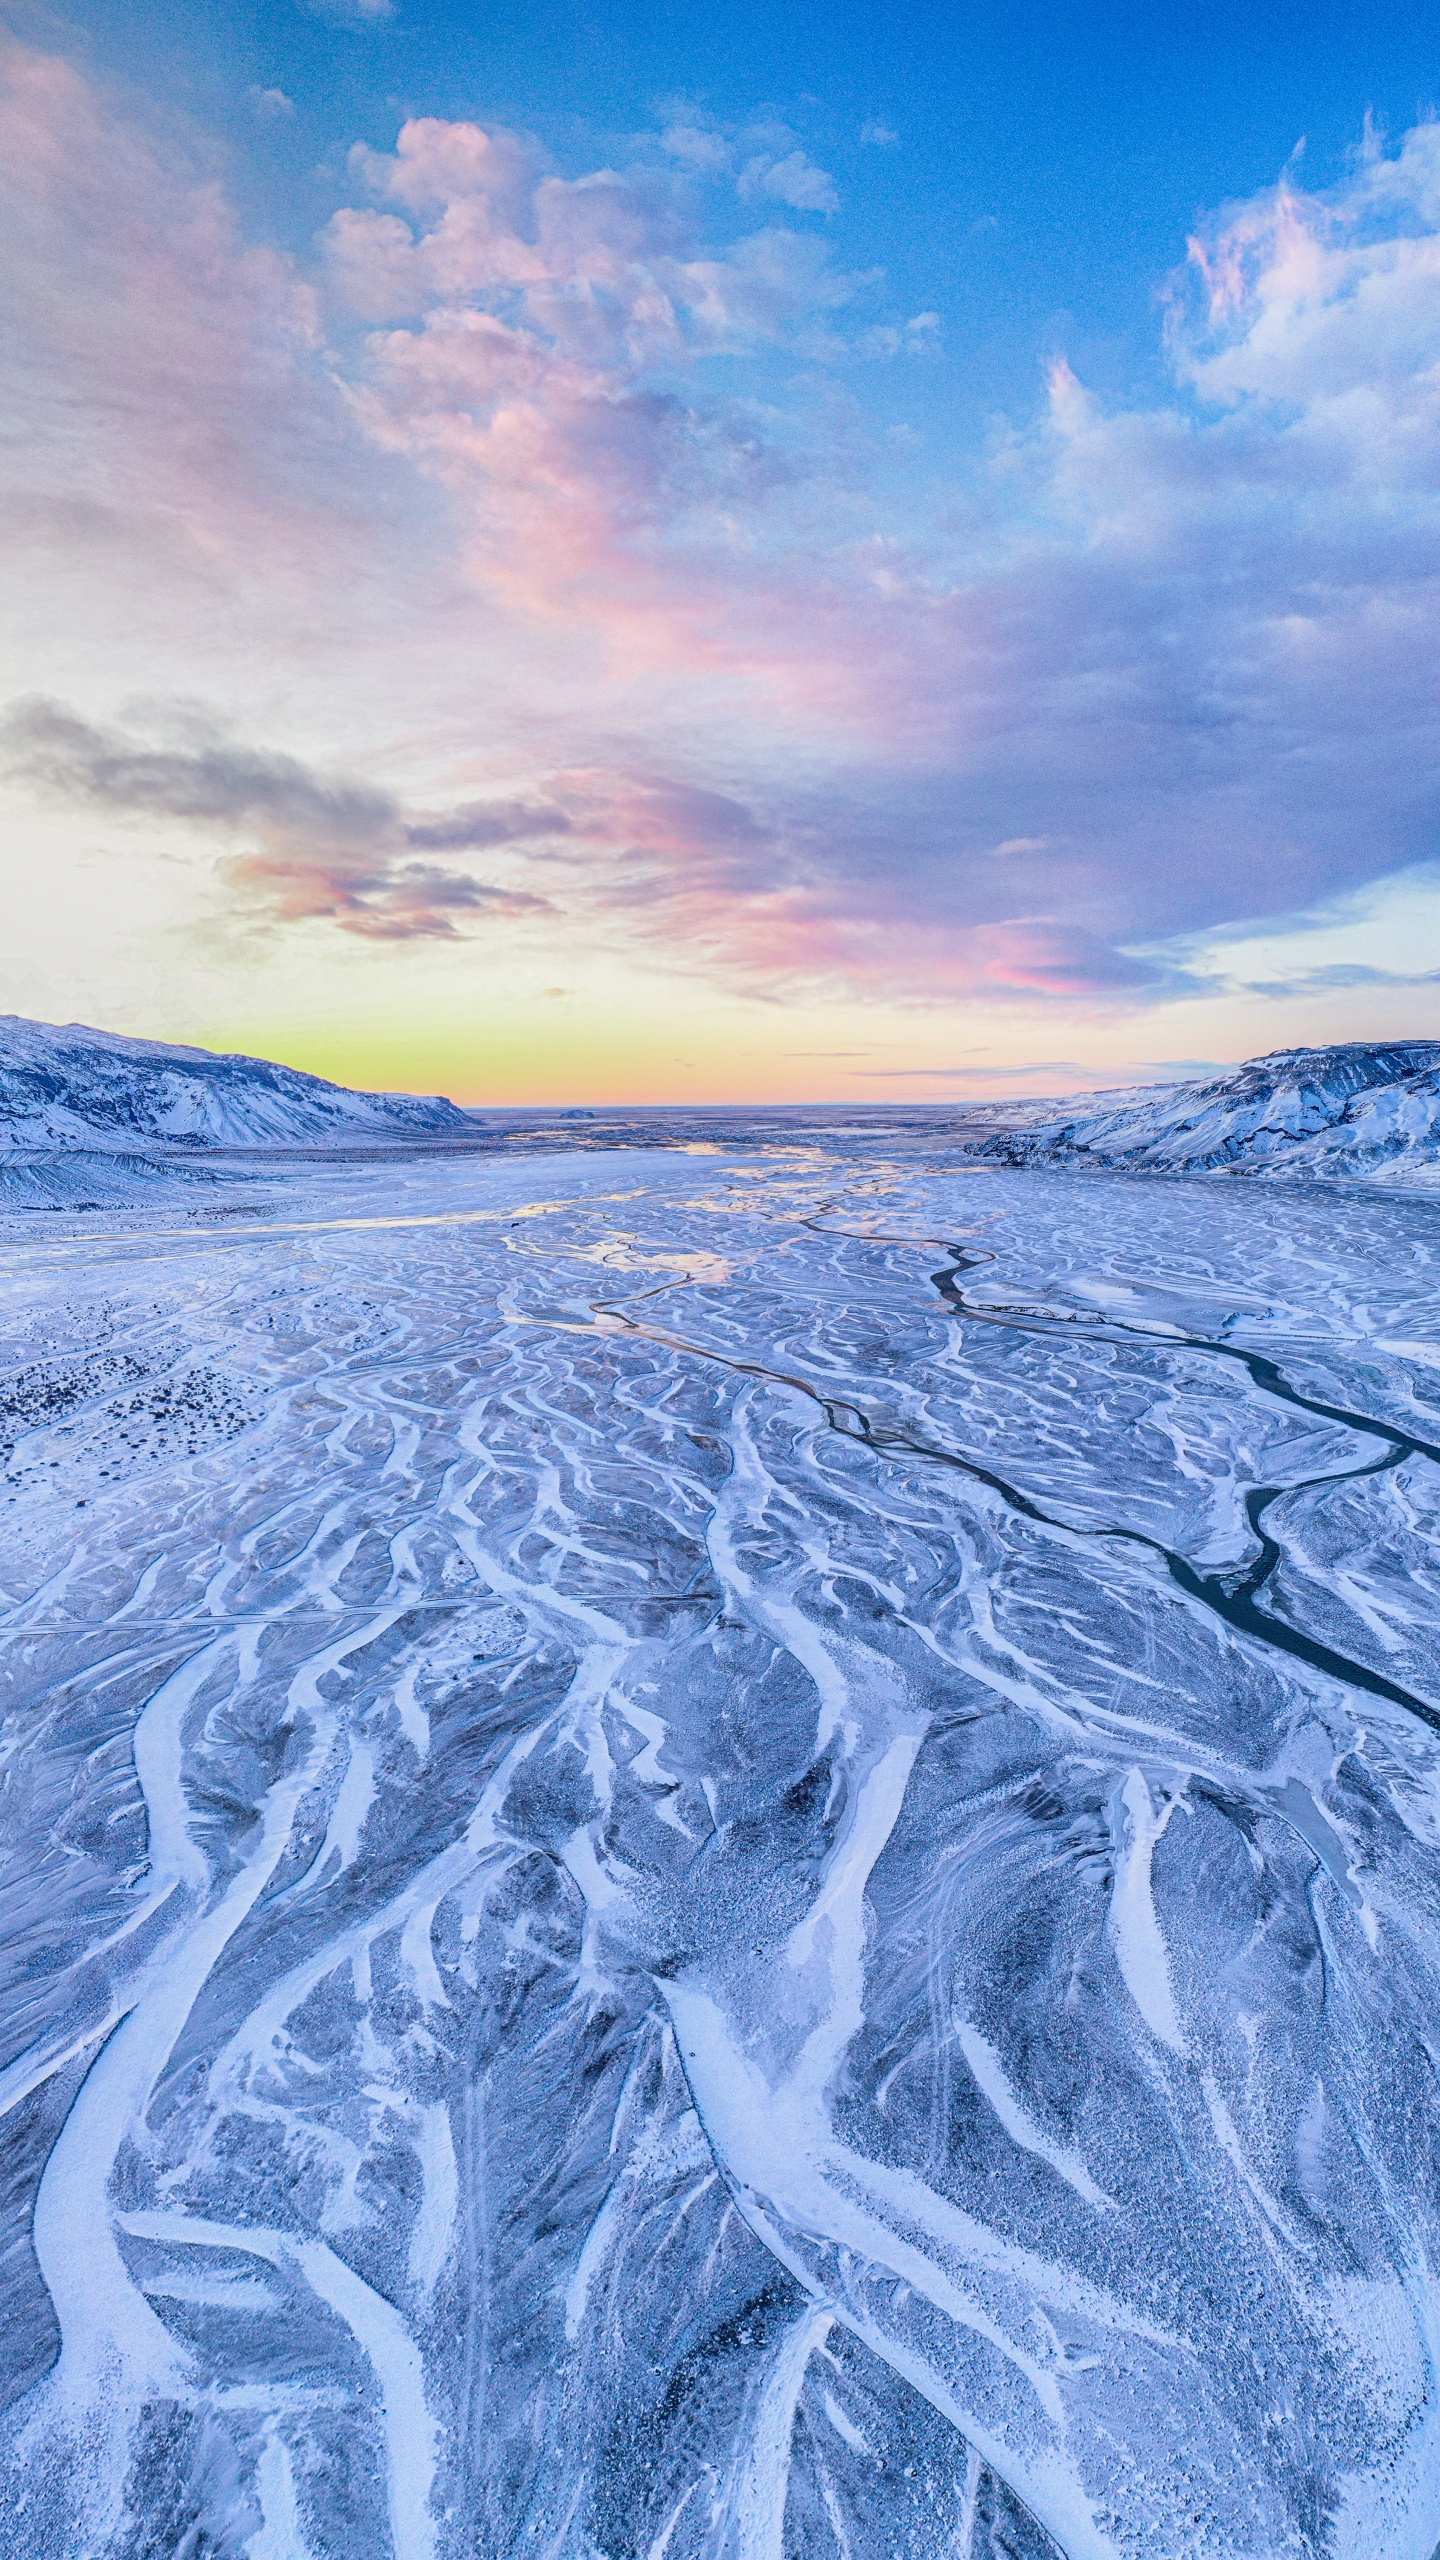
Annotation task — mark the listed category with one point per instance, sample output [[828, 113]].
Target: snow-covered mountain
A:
[[1363, 1108], [68, 1087]]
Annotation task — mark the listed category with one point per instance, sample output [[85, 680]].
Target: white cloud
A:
[[793, 180], [698, 147], [607, 267], [913, 338], [351, 13], [772, 162]]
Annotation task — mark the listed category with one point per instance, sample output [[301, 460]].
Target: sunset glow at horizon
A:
[[615, 562]]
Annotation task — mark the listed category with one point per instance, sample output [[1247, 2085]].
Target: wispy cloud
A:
[[1338, 975], [980, 1075]]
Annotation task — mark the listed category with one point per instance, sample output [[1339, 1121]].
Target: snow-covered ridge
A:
[[1362, 1108], [70, 1087]]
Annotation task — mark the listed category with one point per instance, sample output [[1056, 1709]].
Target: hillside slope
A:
[[1360, 1108], [69, 1087]]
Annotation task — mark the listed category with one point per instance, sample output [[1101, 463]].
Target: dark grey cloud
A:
[[321, 847], [221, 783], [487, 822]]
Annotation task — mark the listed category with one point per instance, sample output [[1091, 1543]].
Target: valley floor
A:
[[721, 1853]]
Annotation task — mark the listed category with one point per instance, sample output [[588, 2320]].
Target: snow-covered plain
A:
[[725, 1853]]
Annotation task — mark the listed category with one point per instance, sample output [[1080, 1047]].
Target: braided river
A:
[[724, 1851]]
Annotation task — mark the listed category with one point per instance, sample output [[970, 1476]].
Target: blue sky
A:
[[1048, 163], [589, 548], [1047, 167]]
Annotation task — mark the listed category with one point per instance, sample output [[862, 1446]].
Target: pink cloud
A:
[[1189, 664], [1177, 664], [160, 366], [754, 899], [547, 377], [609, 265], [394, 901]]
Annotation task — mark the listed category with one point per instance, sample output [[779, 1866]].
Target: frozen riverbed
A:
[[730, 1853]]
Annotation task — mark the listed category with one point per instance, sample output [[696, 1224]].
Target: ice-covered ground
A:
[[726, 1853]]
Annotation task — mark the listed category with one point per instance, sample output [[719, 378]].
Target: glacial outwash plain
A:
[[720, 1832]]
